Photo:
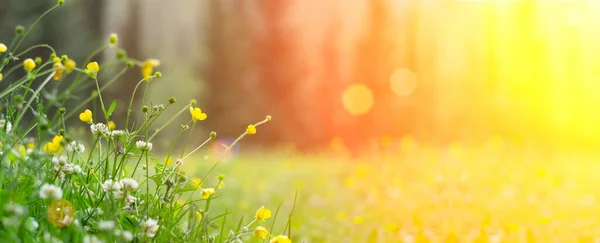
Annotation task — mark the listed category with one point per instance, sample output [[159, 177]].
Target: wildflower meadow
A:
[[377, 121], [105, 186]]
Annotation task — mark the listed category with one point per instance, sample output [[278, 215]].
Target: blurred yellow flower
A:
[[207, 192], [3, 48], [262, 214], [61, 213], [86, 116], [197, 182], [197, 114], [28, 64], [70, 66], [54, 146], [112, 125], [221, 185], [169, 161], [198, 216], [31, 145], [261, 232], [0, 76], [358, 220], [280, 239], [148, 68], [391, 227], [58, 69], [251, 129], [92, 69]]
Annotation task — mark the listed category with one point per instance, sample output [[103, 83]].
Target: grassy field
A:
[[497, 191]]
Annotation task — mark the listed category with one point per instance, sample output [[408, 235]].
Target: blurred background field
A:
[[389, 116]]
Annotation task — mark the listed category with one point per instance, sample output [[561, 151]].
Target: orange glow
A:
[[403, 82], [357, 99]]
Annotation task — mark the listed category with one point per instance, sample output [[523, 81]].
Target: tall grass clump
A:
[[107, 186]]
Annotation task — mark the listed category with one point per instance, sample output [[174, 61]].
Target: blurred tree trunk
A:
[[373, 67], [129, 40], [276, 58], [225, 71]]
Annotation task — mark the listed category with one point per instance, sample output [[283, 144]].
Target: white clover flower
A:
[[76, 146], [117, 133], [48, 191], [149, 228], [68, 169], [62, 160], [99, 129], [110, 185], [77, 169], [8, 125], [126, 196], [126, 236], [129, 184], [144, 146], [106, 225], [14, 209], [91, 239]]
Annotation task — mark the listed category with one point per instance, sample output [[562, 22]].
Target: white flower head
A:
[[149, 228], [14, 209], [76, 147], [106, 225], [91, 239], [110, 185], [99, 129], [117, 133], [62, 160], [144, 146], [129, 184], [126, 236], [7, 124], [48, 191]]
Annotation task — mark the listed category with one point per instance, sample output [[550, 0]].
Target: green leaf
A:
[[112, 107]]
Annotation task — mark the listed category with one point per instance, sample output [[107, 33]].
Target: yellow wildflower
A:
[[92, 69], [22, 150], [61, 213], [58, 68], [54, 146], [221, 185], [86, 116], [261, 232], [31, 145], [3, 48], [207, 192], [56, 60], [197, 114], [280, 239], [70, 66], [148, 68], [251, 129], [0, 76], [169, 161], [198, 216], [262, 214], [28, 64], [358, 220], [112, 125], [197, 182]]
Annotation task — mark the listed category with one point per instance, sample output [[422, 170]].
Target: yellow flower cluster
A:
[[54, 146]]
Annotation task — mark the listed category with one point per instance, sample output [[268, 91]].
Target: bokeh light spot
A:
[[403, 82], [357, 99]]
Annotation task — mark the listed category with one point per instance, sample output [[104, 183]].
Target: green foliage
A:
[[59, 185]]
